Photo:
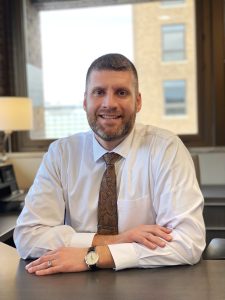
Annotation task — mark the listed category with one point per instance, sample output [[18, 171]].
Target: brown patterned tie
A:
[[107, 204]]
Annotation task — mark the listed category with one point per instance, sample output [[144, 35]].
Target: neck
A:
[[109, 145]]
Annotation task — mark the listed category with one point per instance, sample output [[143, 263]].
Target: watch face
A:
[[92, 258]]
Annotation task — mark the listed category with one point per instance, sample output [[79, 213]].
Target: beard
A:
[[119, 133]]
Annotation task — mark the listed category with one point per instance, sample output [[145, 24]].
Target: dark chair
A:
[[215, 249], [195, 159]]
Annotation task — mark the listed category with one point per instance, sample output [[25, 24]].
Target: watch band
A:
[[92, 248]]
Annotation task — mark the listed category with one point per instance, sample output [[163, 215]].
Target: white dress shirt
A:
[[156, 184]]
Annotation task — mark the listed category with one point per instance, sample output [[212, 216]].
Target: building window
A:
[[174, 97], [173, 42], [172, 2]]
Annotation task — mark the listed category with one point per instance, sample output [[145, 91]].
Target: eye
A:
[[122, 93], [98, 92]]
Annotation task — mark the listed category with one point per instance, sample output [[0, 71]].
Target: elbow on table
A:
[[22, 243], [195, 254]]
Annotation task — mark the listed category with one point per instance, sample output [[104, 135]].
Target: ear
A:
[[138, 102], [85, 102]]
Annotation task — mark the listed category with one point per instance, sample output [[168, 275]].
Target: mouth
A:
[[109, 117]]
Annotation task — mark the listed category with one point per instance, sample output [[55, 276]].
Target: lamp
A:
[[15, 115]]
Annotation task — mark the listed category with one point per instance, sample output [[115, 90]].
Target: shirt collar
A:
[[122, 149]]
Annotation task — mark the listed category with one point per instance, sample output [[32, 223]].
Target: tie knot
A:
[[110, 158]]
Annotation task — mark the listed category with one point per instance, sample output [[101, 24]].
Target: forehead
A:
[[105, 78]]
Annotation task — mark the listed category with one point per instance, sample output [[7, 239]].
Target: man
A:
[[159, 203]]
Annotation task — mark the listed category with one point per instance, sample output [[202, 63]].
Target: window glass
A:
[[172, 2], [174, 97], [173, 42], [70, 41], [62, 43]]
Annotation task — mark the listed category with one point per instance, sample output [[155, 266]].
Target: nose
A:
[[109, 100]]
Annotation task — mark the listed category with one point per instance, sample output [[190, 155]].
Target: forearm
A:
[[34, 241], [105, 258], [122, 245], [101, 240], [181, 249], [128, 255]]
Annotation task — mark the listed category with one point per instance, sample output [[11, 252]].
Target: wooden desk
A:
[[205, 280]]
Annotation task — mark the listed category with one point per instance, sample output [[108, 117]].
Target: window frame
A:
[[210, 74]]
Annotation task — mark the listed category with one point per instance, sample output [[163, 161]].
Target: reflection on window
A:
[[62, 121], [174, 96], [173, 42], [172, 2]]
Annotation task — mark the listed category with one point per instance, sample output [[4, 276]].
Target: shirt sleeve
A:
[[178, 204], [40, 226]]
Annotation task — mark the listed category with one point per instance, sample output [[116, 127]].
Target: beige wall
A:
[[148, 19], [25, 166]]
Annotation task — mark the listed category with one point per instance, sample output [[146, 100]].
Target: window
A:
[[173, 47], [72, 38], [197, 71], [172, 2], [174, 97]]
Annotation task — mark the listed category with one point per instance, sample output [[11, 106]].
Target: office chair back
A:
[[215, 249]]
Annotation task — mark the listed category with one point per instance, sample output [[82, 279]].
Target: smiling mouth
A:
[[110, 117]]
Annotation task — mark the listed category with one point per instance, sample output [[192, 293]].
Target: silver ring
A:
[[49, 263]]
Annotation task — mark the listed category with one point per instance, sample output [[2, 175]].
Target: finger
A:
[[166, 229], [161, 228], [40, 263], [149, 244], [143, 240], [33, 263], [167, 237], [51, 252], [153, 228], [161, 232], [37, 267], [48, 271], [50, 255], [155, 240]]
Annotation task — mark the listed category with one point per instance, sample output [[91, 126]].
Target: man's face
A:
[[111, 103]]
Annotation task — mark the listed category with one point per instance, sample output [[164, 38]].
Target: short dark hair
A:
[[113, 62]]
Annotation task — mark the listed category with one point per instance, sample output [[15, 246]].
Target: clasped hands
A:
[[71, 259]]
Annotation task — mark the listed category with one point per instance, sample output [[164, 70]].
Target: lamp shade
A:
[[15, 114]]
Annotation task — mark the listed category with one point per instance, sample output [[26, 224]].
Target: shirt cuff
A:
[[124, 256], [82, 240]]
